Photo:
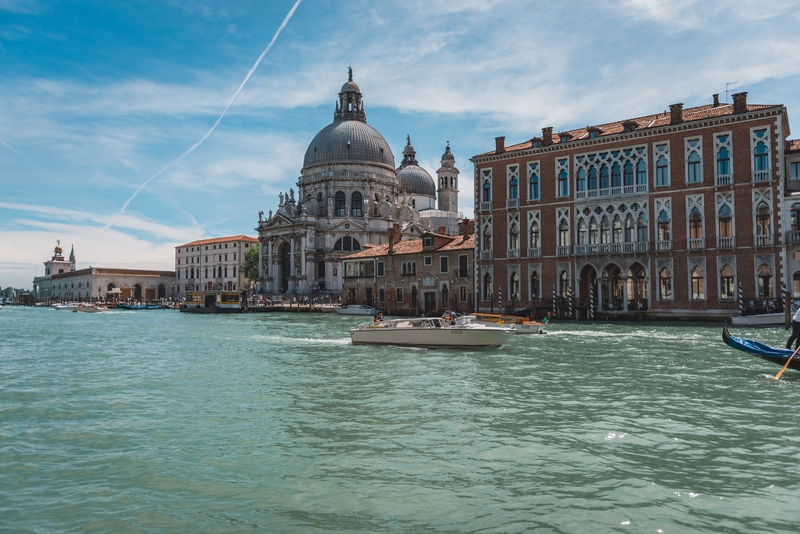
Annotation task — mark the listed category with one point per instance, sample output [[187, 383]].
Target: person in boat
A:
[[378, 318], [795, 331]]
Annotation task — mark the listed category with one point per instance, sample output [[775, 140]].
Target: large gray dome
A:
[[349, 141], [415, 180]]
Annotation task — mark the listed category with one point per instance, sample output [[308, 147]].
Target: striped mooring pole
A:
[[500, 297], [571, 316], [591, 303], [741, 300], [555, 313]]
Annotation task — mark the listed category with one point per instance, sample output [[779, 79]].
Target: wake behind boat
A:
[[430, 332], [65, 306], [771, 354]]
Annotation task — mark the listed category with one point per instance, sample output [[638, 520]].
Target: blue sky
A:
[[98, 97]]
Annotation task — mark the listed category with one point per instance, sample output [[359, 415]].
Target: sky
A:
[[120, 135]]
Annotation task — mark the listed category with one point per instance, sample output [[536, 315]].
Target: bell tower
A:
[[447, 193]]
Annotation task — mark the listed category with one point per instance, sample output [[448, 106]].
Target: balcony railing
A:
[[724, 179], [612, 248], [537, 252], [793, 237], [512, 253], [761, 176], [486, 206], [486, 254], [562, 251], [696, 244], [614, 191], [726, 242], [664, 244], [764, 240], [512, 203]]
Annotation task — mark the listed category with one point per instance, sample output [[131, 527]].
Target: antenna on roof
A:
[[727, 91]]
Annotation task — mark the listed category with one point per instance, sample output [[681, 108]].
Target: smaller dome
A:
[[415, 180], [412, 178]]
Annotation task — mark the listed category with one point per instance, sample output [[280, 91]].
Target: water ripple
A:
[[159, 421]]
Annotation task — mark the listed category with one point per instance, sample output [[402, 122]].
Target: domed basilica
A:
[[348, 195]]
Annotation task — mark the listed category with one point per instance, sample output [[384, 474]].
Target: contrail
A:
[[197, 144]]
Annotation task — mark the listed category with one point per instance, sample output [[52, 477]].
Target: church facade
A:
[[349, 194]]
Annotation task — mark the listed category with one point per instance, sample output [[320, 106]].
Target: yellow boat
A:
[[520, 324]]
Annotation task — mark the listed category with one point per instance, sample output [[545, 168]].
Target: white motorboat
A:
[[356, 309], [761, 319], [65, 306], [430, 332], [89, 308], [530, 327]]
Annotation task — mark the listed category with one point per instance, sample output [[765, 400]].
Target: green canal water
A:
[[157, 421]]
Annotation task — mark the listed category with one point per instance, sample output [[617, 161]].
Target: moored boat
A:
[[761, 319], [430, 332], [140, 306], [356, 309], [771, 354]]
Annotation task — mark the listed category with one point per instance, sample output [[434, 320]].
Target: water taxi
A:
[[430, 332]]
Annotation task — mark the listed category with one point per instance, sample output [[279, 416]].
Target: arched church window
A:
[[340, 201], [356, 205]]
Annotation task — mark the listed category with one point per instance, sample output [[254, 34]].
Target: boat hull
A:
[[427, 334], [90, 309], [765, 352], [764, 319]]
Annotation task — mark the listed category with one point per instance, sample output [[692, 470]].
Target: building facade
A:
[[62, 281], [676, 213], [349, 194], [212, 264], [413, 276]]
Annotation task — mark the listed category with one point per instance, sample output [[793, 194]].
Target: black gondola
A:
[[771, 354]]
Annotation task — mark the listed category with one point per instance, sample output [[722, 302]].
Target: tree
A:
[[250, 263]]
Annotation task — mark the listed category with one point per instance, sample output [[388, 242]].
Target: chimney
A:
[[466, 227], [676, 113], [740, 102], [547, 136], [499, 144], [391, 231], [716, 99]]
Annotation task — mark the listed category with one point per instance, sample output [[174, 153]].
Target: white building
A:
[[212, 264], [62, 281], [348, 195]]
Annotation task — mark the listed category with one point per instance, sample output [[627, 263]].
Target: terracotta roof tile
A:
[[410, 246], [216, 240], [656, 120], [793, 145]]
